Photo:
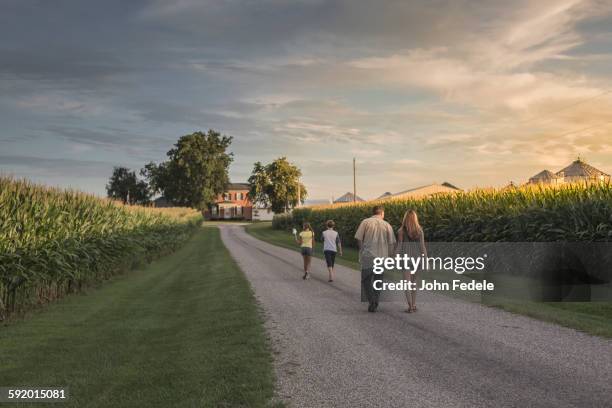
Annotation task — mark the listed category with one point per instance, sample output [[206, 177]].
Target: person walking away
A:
[[376, 239], [306, 241], [331, 246], [411, 241]]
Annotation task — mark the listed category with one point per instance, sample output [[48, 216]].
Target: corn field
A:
[[54, 242], [573, 212]]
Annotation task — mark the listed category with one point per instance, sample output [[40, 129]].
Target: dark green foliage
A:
[[277, 185], [124, 185], [196, 170]]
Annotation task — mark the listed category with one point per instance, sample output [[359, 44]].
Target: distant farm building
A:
[[423, 191], [384, 195], [449, 185], [577, 172], [348, 198], [161, 202], [546, 177]]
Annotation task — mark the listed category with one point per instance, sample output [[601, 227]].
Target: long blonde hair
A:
[[410, 223]]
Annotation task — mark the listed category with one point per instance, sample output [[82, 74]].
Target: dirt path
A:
[[331, 353]]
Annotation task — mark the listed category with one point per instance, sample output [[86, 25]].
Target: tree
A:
[[276, 185], [196, 170], [124, 185], [259, 185]]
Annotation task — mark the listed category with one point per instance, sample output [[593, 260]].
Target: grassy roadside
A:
[[591, 317], [185, 331]]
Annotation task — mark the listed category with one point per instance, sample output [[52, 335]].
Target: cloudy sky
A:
[[476, 93]]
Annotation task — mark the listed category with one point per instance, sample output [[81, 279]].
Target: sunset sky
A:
[[476, 93]]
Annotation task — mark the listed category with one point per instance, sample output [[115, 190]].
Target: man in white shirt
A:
[[375, 238]]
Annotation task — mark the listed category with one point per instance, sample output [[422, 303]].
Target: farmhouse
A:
[[577, 172], [233, 204], [423, 191]]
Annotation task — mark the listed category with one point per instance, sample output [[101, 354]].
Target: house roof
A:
[[544, 175], [347, 198], [427, 190], [237, 186], [425, 187], [385, 194], [581, 169], [449, 185]]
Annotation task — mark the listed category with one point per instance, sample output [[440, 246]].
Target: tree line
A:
[[196, 171]]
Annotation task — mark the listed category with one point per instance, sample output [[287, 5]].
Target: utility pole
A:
[[299, 194], [354, 183]]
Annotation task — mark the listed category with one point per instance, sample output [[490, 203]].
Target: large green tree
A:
[[277, 185], [196, 170], [125, 186]]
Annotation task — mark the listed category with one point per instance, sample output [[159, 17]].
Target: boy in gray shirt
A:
[[331, 245]]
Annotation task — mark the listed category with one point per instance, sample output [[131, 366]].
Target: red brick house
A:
[[234, 204]]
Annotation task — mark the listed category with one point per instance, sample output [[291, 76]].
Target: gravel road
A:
[[330, 352]]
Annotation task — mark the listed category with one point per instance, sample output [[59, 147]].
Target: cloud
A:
[[110, 139], [47, 167], [458, 81], [496, 68], [451, 138], [409, 87], [54, 102], [322, 27], [69, 65], [164, 111]]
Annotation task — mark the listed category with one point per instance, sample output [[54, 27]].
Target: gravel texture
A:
[[330, 352]]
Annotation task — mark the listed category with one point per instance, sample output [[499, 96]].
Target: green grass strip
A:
[[183, 332]]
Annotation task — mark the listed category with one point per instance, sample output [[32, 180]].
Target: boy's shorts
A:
[[330, 258]]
